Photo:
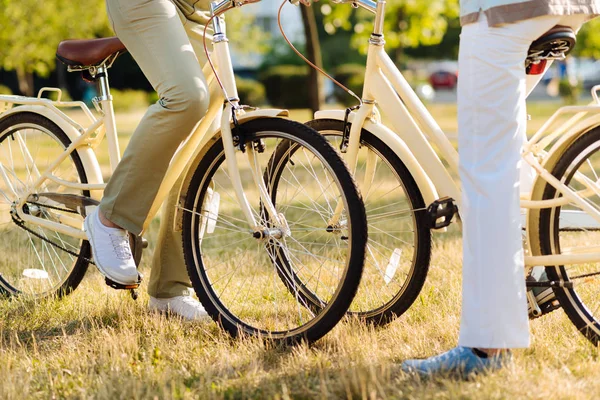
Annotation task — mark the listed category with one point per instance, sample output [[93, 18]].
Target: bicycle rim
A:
[[245, 282], [399, 244], [568, 229]]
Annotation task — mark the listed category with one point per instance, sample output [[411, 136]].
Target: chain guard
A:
[[77, 205]]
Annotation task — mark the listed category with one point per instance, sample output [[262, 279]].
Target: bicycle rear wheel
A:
[[567, 229], [33, 261], [245, 282], [399, 244]]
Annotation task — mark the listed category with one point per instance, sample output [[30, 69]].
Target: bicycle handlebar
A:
[[224, 5], [368, 5]]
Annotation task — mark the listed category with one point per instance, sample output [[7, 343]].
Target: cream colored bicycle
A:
[[408, 190], [245, 238]]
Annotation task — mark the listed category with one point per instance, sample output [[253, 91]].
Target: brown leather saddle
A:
[[552, 45], [84, 54]]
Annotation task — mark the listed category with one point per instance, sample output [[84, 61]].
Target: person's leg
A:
[[491, 122], [169, 276], [154, 34]]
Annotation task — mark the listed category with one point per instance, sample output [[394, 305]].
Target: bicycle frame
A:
[[416, 130], [86, 139]]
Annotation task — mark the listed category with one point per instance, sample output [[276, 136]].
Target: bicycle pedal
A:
[[549, 306], [544, 298], [131, 287], [441, 212], [545, 308]]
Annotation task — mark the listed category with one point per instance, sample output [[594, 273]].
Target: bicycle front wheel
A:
[[246, 282], [568, 229]]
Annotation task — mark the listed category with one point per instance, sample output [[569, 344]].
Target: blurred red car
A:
[[443, 80]]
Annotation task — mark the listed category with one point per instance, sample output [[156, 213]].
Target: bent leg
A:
[[169, 277], [154, 34]]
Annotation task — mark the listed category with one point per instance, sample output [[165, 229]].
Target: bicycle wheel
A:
[[30, 265], [567, 228], [399, 244], [236, 275]]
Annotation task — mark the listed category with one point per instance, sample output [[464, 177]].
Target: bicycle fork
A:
[[351, 158], [278, 220]]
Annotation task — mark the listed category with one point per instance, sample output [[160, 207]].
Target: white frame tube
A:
[[385, 84]]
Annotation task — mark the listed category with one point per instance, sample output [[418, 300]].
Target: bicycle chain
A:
[[21, 225], [584, 276], [53, 207]]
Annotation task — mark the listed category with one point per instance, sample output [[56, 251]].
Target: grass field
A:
[[98, 343]]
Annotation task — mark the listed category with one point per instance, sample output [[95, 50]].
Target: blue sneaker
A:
[[460, 362]]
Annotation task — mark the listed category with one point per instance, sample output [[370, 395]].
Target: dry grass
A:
[[98, 343]]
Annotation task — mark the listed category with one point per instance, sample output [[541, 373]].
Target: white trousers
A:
[[492, 88]]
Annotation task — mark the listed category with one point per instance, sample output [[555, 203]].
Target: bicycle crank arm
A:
[[552, 284]]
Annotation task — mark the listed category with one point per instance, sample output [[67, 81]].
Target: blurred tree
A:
[[588, 40], [408, 23], [316, 95], [446, 49], [244, 34], [31, 30]]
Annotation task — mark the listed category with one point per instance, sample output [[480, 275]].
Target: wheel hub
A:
[[267, 233]]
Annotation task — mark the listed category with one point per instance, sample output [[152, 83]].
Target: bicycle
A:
[[562, 208], [243, 237]]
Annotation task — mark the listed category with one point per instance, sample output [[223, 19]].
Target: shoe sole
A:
[[173, 314], [87, 228], [167, 312]]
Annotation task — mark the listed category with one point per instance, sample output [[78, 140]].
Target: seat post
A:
[[105, 99], [103, 83]]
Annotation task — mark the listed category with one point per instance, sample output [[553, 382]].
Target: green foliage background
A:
[[408, 23], [30, 30]]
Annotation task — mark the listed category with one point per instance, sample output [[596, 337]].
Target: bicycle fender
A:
[[549, 162], [568, 138], [262, 113], [87, 156], [399, 147], [207, 143]]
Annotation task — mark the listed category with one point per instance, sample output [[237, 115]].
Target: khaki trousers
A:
[[165, 39]]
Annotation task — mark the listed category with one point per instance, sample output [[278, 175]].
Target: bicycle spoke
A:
[[24, 151]]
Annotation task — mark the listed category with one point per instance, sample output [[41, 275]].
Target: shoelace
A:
[[121, 246]]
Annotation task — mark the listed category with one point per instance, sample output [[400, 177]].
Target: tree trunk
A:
[[313, 53], [25, 82]]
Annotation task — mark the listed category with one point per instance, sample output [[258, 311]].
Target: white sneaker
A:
[[110, 247], [186, 307]]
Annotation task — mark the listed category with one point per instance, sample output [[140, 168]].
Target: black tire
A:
[[67, 270], [256, 263], [371, 304], [581, 304]]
